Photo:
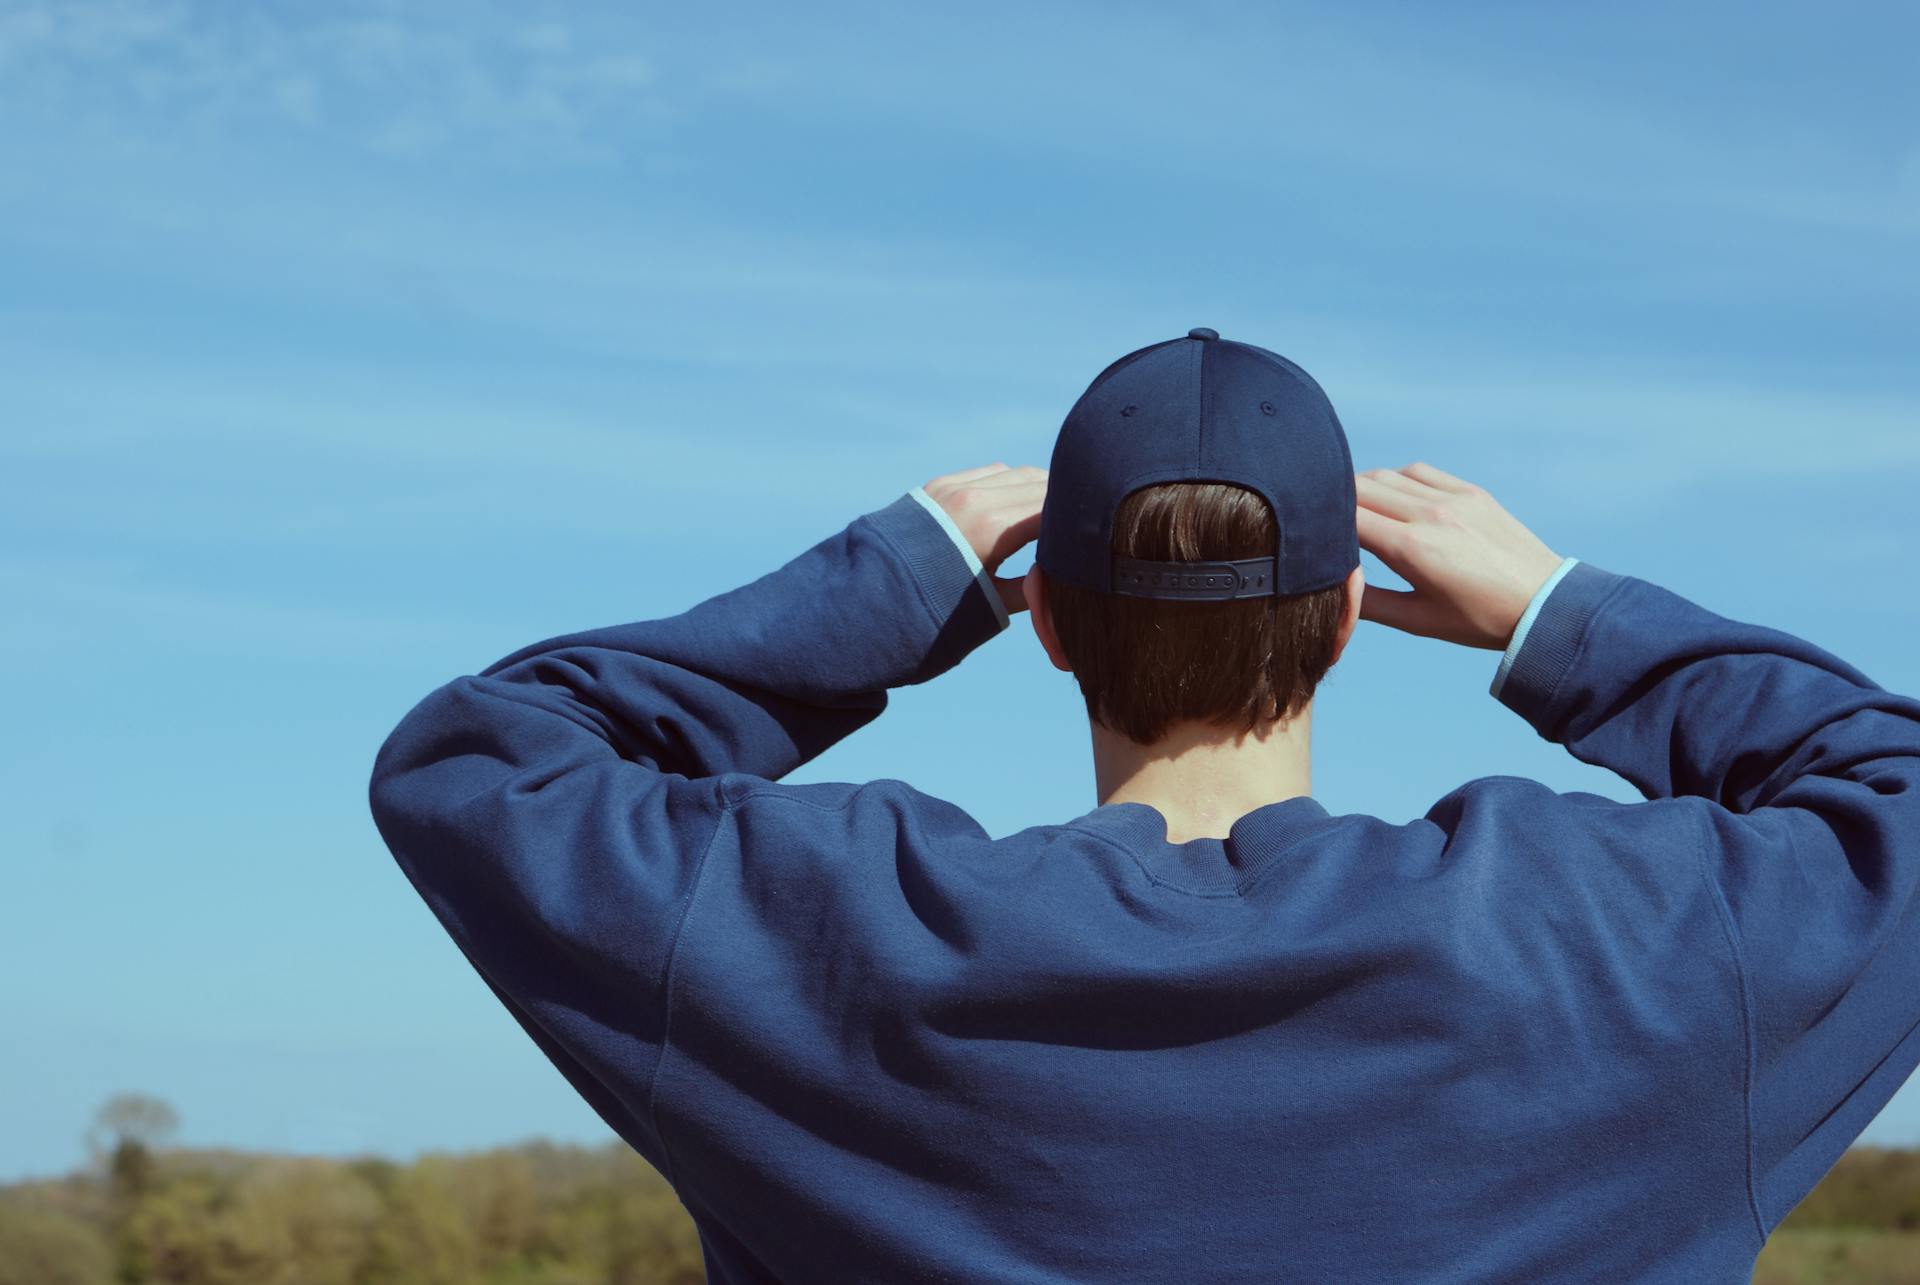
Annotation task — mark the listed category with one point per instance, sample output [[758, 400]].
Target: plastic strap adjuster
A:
[[1240, 578]]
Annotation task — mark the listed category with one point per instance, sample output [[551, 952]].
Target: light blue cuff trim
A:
[[1526, 622], [973, 559]]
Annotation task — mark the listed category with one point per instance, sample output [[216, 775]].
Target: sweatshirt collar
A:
[[1209, 864]]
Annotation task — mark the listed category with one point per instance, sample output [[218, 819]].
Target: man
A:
[[1206, 1031]]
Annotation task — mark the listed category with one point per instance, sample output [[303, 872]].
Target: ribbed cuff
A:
[[941, 516], [1552, 640], [966, 612], [1520, 630]]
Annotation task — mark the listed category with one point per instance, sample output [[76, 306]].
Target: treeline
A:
[[537, 1214], [534, 1214], [1871, 1189]]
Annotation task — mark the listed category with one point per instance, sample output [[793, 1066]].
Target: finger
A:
[[1384, 537], [1011, 501], [1386, 499], [1005, 502], [1399, 481], [1003, 486], [1015, 535], [1014, 491], [1400, 609], [1439, 479], [1013, 592], [964, 475], [1020, 475]]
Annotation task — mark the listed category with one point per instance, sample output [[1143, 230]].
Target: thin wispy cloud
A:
[[396, 78]]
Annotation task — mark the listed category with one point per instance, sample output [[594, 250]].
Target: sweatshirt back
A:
[[1530, 1036]]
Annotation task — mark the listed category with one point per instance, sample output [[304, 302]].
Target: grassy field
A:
[[1843, 1256]]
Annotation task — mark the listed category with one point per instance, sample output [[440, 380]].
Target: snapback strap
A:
[[1240, 578]]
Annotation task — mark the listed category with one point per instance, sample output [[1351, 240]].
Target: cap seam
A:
[[1200, 385], [1114, 368], [1293, 372]]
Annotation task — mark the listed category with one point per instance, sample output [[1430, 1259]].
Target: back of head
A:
[[1197, 537], [1143, 664]]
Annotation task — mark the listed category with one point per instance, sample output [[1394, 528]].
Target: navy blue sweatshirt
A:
[[1530, 1036]]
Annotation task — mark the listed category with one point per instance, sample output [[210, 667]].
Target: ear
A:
[[1034, 587], [1356, 590]]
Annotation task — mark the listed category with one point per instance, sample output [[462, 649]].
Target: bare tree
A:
[[123, 1135]]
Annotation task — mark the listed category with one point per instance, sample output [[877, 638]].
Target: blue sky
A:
[[348, 348]]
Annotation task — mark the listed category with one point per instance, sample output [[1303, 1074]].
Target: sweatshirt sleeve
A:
[[1801, 777], [553, 810], [1527, 617]]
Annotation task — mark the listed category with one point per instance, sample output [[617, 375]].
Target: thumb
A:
[[1401, 609], [1013, 592]]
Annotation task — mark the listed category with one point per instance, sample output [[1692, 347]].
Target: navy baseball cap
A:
[[1202, 409]]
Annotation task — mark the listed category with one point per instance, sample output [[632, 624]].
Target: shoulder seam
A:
[[666, 983], [1746, 1023], [841, 806]]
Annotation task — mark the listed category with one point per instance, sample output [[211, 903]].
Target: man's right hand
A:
[[1473, 566]]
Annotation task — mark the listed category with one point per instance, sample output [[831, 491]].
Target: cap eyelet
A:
[[1266, 408], [1128, 410]]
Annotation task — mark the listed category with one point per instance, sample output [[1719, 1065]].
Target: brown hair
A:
[[1144, 663]]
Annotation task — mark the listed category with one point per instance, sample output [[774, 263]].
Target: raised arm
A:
[[1806, 774], [553, 810]]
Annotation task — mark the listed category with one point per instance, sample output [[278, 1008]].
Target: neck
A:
[[1203, 778]]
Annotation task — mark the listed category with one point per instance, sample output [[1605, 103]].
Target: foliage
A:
[[1871, 1187], [47, 1247], [534, 1214], [1825, 1256]]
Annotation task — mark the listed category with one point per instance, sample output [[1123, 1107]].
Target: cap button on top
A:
[[1203, 332]]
